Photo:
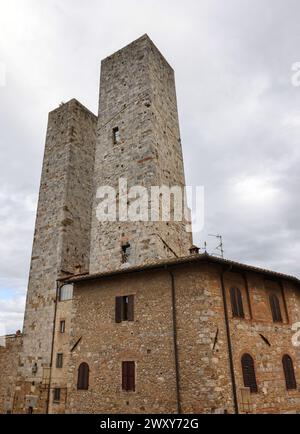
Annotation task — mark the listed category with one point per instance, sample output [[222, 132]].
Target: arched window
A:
[[83, 377], [289, 373], [237, 303], [249, 373], [275, 308]]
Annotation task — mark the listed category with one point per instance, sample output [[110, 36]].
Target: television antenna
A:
[[204, 248], [220, 247]]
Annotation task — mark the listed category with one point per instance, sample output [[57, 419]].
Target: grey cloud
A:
[[239, 113]]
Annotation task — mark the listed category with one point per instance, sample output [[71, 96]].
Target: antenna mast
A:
[[220, 247]]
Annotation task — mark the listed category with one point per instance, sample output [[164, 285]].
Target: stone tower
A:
[[138, 139], [62, 232]]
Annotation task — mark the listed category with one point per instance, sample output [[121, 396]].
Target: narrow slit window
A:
[[56, 397], [62, 326], [59, 360], [116, 135]]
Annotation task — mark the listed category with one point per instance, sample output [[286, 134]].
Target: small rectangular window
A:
[[56, 397], [62, 326], [116, 135], [125, 308], [66, 293], [128, 376], [59, 360]]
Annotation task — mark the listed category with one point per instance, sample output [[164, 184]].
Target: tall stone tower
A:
[[62, 232], [138, 139]]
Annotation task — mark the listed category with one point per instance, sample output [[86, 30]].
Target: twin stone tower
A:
[[135, 137]]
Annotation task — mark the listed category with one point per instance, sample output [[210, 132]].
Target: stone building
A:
[[124, 316]]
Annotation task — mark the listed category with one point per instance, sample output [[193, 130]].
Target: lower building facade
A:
[[185, 336], [195, 335]]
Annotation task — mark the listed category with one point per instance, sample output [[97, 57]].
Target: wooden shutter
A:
[[240, 303], [249, 373], [275, 308], [124, 375], [119, 301], [289, 373], [237, 303], [128, 376], [233, 302], [130, 308], [131, 376]]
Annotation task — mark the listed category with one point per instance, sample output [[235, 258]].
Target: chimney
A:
[[194, 250]]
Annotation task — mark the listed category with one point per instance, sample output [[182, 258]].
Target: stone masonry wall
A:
[[204, 377], [149, 340], [137, 95], [9, 362], [272, 396]]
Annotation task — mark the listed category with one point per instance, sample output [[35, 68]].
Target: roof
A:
[[167, 263]]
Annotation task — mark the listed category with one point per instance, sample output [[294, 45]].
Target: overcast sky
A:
[[239, 114]]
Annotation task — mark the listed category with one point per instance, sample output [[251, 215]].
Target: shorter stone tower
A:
[[138, 139], [61, 239]]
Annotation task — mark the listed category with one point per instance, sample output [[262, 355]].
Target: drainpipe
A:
[[52, 347], [174, 323], [231, 364]]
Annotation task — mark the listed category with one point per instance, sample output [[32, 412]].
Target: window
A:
[[125, 308], [59, 360], [126, 250], [289, 373], [128, 376], [116, 135], [34, 368], [83, 377], [237, 303], [56, 397], [62, 326], [275, 308], [66, 293], [249, 373]]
